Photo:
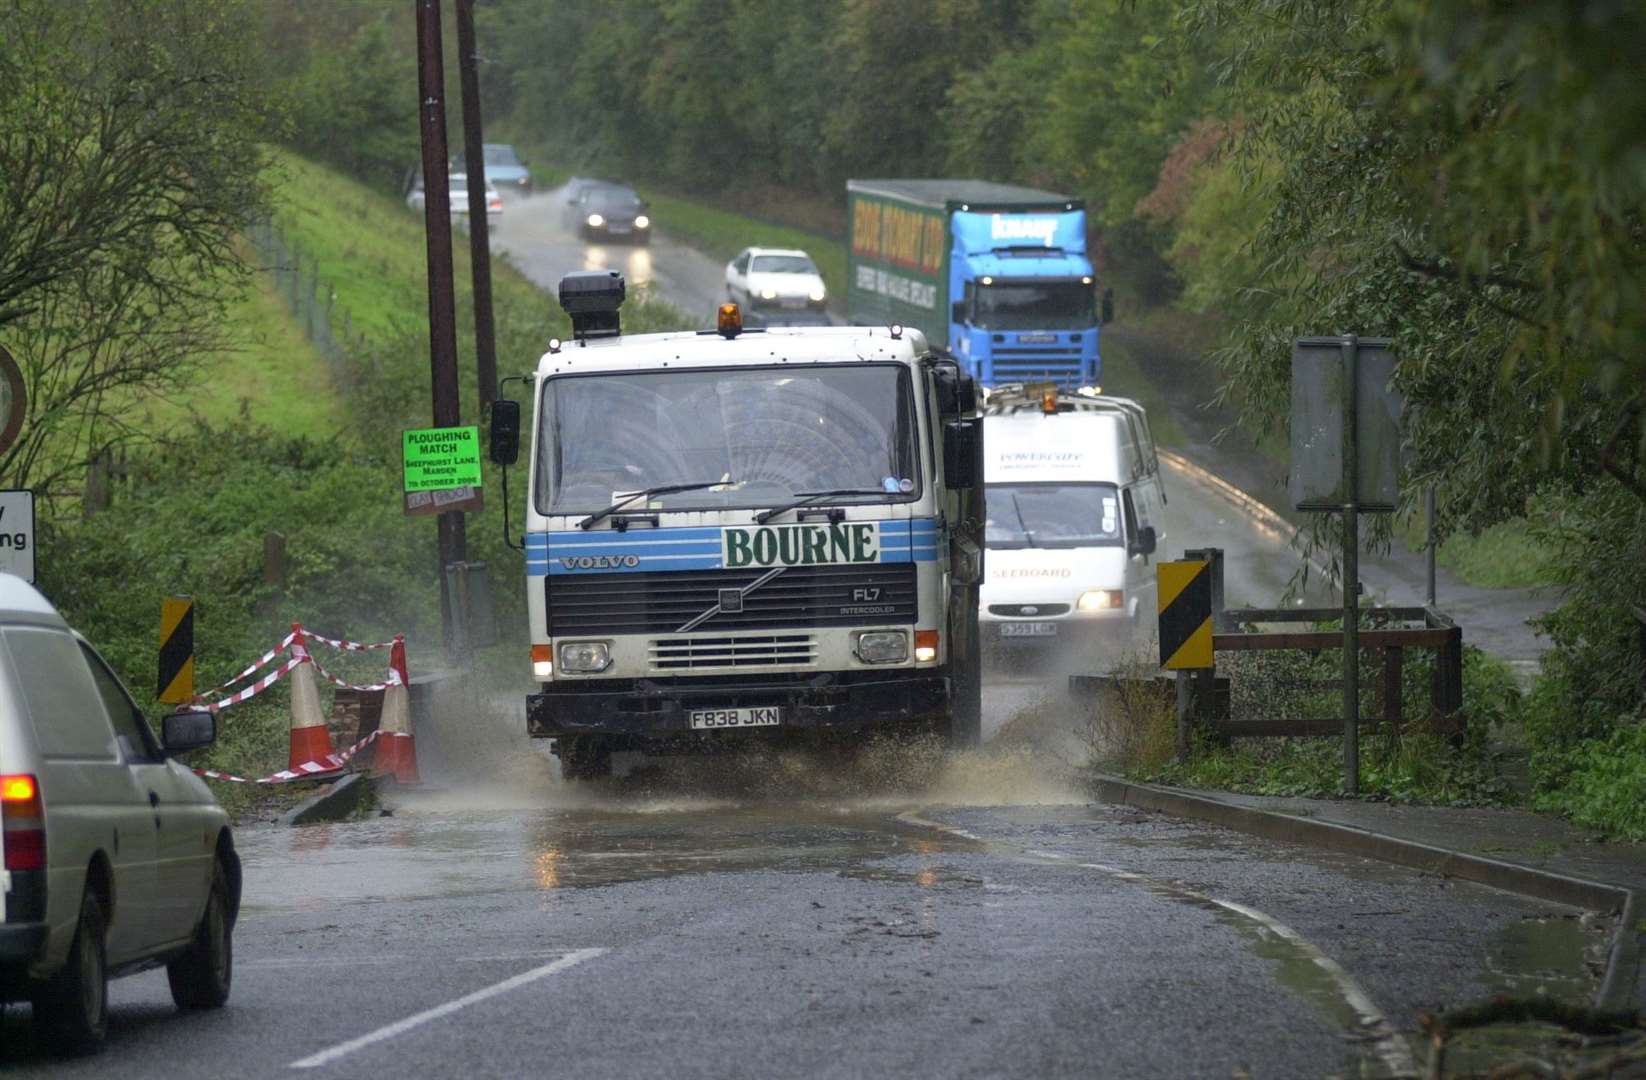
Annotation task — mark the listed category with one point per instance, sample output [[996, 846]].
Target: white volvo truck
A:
[[746, 534]]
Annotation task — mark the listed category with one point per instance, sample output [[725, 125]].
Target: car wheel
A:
[[72, 1010], [201, 977]]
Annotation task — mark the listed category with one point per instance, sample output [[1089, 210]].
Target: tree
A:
[[129, 161]]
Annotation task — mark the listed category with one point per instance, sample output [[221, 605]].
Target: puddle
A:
[[926, 877], [1549, 957]]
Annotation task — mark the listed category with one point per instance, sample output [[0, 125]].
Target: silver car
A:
[[116, 857]]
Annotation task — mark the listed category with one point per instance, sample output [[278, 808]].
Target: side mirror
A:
[[185, 731], [1108, 306], [1145, 542], [962, 453], [957, 311], [505, 447], [966, 396]]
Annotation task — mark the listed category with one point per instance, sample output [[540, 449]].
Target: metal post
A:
[[485, 332], [431, 85], [1351, 566], [1429, 548]]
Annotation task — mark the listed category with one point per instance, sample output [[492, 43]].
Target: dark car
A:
[[609, 212]]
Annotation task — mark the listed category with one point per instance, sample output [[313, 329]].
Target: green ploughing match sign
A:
[[439, 459], [801, 545]]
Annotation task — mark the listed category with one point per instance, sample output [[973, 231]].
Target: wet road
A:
[[534, 238], [967, 916]]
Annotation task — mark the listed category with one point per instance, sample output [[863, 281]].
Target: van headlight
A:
[[641, 221], [818, 296], [585, 657], [1101, 600], [596, 220], [882, 647]]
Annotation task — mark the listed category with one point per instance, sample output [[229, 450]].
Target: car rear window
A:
[[64, 705]]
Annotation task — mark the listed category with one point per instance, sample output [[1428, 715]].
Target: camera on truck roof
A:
[[591, 298]]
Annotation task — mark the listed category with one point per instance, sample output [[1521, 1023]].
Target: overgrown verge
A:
[[1133, 730]]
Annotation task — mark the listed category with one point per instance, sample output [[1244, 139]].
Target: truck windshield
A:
[[1052, 516], [1020, 305], [767, 432]]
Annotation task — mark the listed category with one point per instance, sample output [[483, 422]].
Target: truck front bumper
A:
[[647, 710]]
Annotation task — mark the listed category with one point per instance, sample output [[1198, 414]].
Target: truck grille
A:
[[1033, 363], [739, 650], [661, 602]]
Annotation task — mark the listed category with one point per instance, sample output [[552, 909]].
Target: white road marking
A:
[[1390, 1047], [326, 1057]]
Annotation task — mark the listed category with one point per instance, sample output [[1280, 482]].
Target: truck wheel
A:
[[584, 757], [72, 1010], [201, 977], [966, 709]]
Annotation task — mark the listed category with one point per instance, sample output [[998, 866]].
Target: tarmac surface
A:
[[965, 916]]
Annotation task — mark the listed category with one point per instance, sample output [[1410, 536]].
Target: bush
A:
[[1603, 784]]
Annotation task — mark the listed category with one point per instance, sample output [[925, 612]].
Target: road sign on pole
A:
[[438, 459], [1184, 601], [176, 680], [17, 534]]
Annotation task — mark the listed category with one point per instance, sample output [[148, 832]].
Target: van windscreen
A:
[[1053, 516]]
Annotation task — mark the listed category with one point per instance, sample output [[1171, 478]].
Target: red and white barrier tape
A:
[[329, 677], [295, 642], [261, 662], [254, 689], [331, 763], [347, 646]]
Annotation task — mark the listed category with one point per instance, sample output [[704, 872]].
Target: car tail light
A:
[[495, 204], [24, 821]]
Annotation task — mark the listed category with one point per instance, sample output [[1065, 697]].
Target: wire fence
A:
[[313, 302]]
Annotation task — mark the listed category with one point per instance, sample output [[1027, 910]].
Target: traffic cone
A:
[[310, 741], [396, 752]]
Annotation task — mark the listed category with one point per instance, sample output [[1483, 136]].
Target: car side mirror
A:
[[1145, 542], [962, 453], [957, 311], [185, 731], [1108, 306], [505, 444]]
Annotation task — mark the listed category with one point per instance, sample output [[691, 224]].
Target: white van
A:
[[1073, 495], [114, 857]]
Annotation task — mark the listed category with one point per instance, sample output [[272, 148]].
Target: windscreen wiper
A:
[[806, 498], [665, 489], [1028, 536]]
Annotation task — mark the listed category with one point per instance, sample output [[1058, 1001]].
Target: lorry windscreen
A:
[[1022, 305], [767, 431], [1052, 516]]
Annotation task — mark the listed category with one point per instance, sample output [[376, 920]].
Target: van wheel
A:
[[72, 1010], [201, 977]]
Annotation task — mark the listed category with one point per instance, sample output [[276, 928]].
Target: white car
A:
[[116, 857], [458, 193], [775, 277]]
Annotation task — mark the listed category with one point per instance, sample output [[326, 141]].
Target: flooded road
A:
[[970, 915]]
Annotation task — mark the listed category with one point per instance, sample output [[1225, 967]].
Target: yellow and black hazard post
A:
[[1185, 605], [177, 650]]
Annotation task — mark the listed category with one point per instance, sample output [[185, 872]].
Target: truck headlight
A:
[[596, 220], [883, 647], [1101, 600], [585, 657], [641, 221]]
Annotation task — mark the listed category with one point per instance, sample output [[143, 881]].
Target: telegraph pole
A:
[[485, 334], [431, 93]]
